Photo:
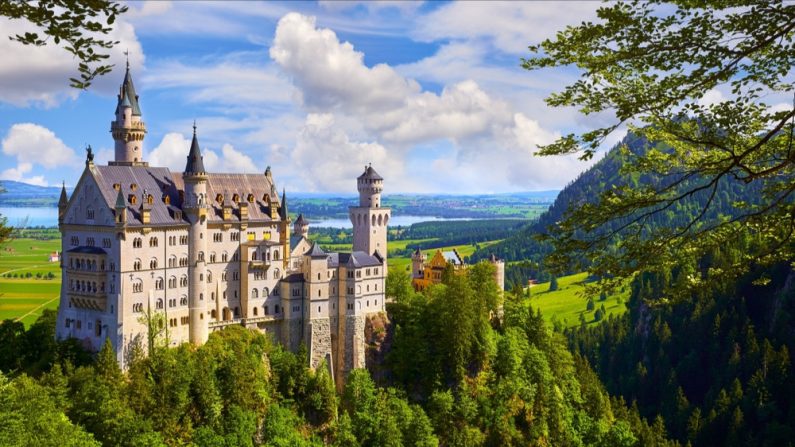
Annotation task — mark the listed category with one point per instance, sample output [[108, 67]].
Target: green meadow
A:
[[568, 302], [24, 297]]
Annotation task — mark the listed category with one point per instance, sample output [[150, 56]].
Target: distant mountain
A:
[[24, 194], [522, 246]]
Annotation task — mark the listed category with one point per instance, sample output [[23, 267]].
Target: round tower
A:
[[195, 208], [370, 186], [369, 220], [128, 129], [301, 226], [417, 264]]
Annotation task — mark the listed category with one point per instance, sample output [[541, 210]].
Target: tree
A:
[[81, 25], [651, 65], [553, 284]]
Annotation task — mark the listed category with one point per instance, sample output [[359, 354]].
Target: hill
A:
[[528, 252], [24, 194]]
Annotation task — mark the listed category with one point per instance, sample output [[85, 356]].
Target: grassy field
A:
[[25, 298], [567, 303]]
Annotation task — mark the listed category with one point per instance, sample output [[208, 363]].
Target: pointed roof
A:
[[315, 251], [120, 202], [301, 220], [369, 173], [283, 210], [127, 96], [63, 199], [195, 163]]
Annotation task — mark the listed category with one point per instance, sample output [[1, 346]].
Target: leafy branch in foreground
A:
[[81, 25], [651, 64]]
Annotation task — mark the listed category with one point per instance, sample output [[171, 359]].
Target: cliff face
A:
[[378, 332]]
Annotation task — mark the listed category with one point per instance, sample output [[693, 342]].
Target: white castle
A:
[[207, 251]]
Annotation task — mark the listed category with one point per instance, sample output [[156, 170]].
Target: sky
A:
[[432, 94]]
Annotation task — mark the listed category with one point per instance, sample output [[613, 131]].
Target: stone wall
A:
[[319, 341]]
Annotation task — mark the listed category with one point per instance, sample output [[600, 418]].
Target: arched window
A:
[[150, 199], [254, 293], [153, 263], [90, 213], [159, 283], [373, 219], [183, 300], [254, 256], [201, 256], [250, 198], [209, 276], [137, 264], [380, 220], [265, 292], [159, 304], [235, 198], [255, 311], [276, 274], [214, 314], [276, 255]]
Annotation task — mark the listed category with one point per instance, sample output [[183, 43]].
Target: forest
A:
[[455, 374]]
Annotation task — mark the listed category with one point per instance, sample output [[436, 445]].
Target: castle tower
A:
[[317, 325], [284, 217], [301, 226], [195, 207], [369, 219], [128, 130], [499, 271], [417, 264]]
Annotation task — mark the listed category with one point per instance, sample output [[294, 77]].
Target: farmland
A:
[[29, 283]]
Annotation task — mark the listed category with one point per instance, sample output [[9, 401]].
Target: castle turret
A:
[[284, 229], [301, 226], [120, 209], [417, 264], [63, 201], [369, 219], [195, 208], [499, 271], [128, 129], [317, 325]]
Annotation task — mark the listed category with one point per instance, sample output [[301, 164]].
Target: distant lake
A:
[[48, 217], [36, 216]]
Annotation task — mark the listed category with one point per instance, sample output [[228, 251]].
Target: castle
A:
[[425, 273], [206, 251]]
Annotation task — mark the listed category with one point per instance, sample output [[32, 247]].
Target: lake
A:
[[35, 216], [48, 217]]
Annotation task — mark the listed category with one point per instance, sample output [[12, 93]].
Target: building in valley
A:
[[425, 273], [208, 250]]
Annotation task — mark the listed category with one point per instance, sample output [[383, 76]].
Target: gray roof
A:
[[294, 277], [452, 257], [63, 200], [195, 163], [369, 173], [358, 259], [301, 220], [162, 183], [294, 240], [315, 251], [127, 96]]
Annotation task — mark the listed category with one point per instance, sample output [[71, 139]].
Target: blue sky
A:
[[431, 94]]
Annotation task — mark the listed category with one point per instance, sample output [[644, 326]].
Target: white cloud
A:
[[39, 76], [18, 174], [508, 26], [32, 144], [491, 143], [173, 149]]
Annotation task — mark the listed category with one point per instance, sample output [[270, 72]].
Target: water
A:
[[48, 217], [394, 221], [30, 216]]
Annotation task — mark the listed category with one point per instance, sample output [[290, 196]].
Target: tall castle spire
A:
[[128, 129]]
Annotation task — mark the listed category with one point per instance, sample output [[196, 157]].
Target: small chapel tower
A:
[[195, 206], [128, 129], [369, 219], [301, 227]]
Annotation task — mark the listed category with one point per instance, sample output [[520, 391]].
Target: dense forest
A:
[[455, 374], [716, 365]]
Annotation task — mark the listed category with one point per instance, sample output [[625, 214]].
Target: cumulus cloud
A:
[[33, 145], [173, 149], [486, 134], [39, 76]]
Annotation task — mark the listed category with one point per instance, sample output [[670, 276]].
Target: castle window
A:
[[133, 199], [235, 237], [159, 284], [90, 241], [237, 312], [224, 257], [209, 276], [183, 301], [265, 309], [75, 240], [219, 198], [90, 213], [276, 274], [138, 286], [183, 281], [223, 276], [265, 292], [235, 198], [376, 271], [137, 264], [106, 242], [153, 264], [213, 314], [159, 304], [275, 308], [153, 242], [172, 261], [255, 311], [250, 198], [116, 186], [201, 256], [133, 186], [254, 256], [254, 293], [150, 199], [276, 255], [212, 257], [166, 199]]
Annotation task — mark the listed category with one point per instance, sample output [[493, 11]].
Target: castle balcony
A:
[[259, 265], [88, 300], [224, 323], [133, 126], [265, 319]]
